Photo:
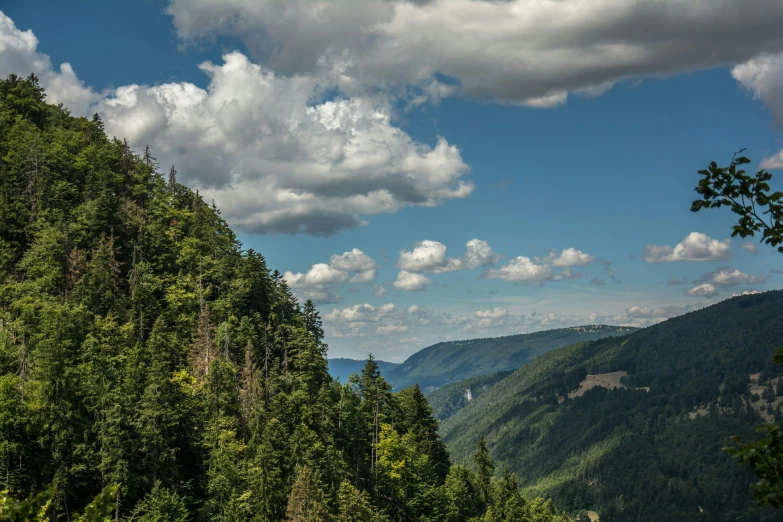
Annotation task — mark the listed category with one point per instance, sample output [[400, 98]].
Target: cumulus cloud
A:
[[728, 276], [703, 290], [538, 270], [773, 162], [430, 256], [516, 51], [354, 267], [427, 256], [364, 320], [572, 257], [763, 77], [278, 153], [277, 163], [360, 313], [19, 55], [695, 247], [356, 261], [410, 281], [479, 254], [522, 268]]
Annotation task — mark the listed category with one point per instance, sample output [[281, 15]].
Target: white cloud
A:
[[772, 162], [410, 281], [360, 313], [379, 291], [695, 247], [430, 256], [354, 267], [750, 247], [353, 261], [19, 55], [274, 152], [522, 269], [427, 256], [493, 313], [728, 276], [319, 274], [746, 292], [703, 290], [573, 257], [538, 270], [479, 254], [276, 162], [532, 52], [763, 76]]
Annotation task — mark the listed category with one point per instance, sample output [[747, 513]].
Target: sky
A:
[[433, 170]]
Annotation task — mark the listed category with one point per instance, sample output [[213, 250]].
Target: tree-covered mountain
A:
[[451, 361], [649, 449], [342, 368], [448, 400], [148, 361]]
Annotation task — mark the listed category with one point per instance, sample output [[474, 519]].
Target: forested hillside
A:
[[451, 361], [142, 347], [652, 449], [453, 397], [341, 368]]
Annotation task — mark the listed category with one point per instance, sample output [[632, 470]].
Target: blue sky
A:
[[316, 143]]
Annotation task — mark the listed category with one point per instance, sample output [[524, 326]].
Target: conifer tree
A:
[[305, 504], [485, 467], [355, 506]]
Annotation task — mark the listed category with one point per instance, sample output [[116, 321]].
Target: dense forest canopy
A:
[[142, 348]]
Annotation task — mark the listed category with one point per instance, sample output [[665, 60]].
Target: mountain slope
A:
[[340, 368], [448, 400], [451, 361], [648, 451]]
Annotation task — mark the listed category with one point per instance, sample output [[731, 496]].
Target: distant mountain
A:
[[343, 368], [451, 361], [633, 427]]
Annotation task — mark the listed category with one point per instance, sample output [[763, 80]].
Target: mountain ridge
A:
[[451, 361]]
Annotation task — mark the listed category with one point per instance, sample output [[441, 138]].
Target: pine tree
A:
[[305, 504], [354, 506], [314, 325], [416, 417], [148, 159], [485, 467], [172, 179]]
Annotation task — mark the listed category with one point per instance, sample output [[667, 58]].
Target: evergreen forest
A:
[[149, 362]]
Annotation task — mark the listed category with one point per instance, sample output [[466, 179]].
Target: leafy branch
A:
[[747, 196]]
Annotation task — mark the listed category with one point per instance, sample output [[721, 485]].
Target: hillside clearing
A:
[[610, 381]]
